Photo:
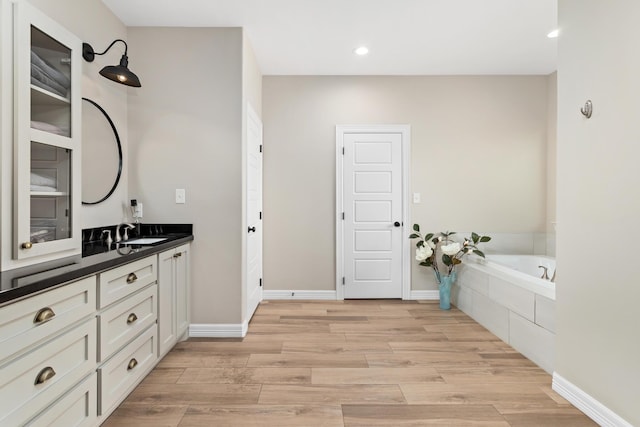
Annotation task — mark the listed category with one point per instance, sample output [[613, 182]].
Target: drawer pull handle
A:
[[26, 245], [44, 315], [132, 318], [45, 375], [132, 364], [131, 278]]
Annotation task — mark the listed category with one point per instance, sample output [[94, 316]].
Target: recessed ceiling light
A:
[[362, 50], [553, 34]]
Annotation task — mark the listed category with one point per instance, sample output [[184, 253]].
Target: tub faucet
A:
[[127, 226], [545, 274], [553, 277]]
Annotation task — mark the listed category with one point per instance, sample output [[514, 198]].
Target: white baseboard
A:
[[425, 295], [587, 404], [309, 295], [218, 330]]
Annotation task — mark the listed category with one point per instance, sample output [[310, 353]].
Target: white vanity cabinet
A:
[[49, 344], [47, 135], [128, 344], [173, 297], [71, 354]]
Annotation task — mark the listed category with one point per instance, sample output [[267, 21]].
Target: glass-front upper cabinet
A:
[[47, 95]]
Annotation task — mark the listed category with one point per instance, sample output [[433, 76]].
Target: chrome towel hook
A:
[[587, 110]]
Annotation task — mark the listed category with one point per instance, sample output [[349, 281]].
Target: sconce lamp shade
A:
[[118, 73]]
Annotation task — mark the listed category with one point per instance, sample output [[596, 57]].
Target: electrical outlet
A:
[[180, 196]]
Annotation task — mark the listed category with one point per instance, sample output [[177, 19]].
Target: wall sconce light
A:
[[117, 73]]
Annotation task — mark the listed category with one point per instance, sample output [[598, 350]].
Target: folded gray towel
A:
[[48, 69]]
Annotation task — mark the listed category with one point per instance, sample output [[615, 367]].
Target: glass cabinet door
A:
[[47, 129]]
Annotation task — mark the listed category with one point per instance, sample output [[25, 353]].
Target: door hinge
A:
[[343, 281], [261, 148], [343, 216], [343, 151], [260, 214], [261, 282]]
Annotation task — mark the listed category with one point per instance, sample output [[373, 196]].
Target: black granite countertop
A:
[[97, 256]]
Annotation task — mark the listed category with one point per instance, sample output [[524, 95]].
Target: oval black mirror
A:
[[101, 155]]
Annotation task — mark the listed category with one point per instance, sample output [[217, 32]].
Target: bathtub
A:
[[506, 295]]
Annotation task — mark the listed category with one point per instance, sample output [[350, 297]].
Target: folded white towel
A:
[[42, 180], [43, 188]]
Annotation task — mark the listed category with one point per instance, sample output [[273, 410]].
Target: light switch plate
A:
[[180, 196]]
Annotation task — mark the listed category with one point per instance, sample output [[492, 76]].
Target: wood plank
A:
[[246, 376], [305, 360], [201, 359], [162, 375], [330, 394], [422, 336], [481, 347], [422, 415], [336, 347], [469, 375], [374, 375], [298, 336], [427, 358], [131, 415], [474, 394], [202, 394], [215, 347], [263, 415]]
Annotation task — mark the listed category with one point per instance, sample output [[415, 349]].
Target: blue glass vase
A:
[[444, 287]]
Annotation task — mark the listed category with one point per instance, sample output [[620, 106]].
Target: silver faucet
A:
[[553, 278], [125, 237], [544, 276]]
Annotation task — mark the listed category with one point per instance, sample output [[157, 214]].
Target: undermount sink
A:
[[144, 241]]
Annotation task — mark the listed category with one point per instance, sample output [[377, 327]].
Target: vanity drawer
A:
[[78, 408], [31, 320], [30, 383], [122, 372], [126, 319], [124, 280]]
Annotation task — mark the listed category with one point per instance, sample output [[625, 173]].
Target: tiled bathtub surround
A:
[[518, 308]]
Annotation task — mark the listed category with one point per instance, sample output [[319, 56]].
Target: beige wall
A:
[[552, 148], [185, 129], [478, 159], [598, 205]]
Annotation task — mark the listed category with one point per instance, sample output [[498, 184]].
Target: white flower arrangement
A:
[[452, 252]]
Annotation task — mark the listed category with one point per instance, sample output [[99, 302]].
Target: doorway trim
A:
[[405, 131]]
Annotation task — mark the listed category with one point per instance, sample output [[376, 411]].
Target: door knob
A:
[[396, 224], [252, 229]]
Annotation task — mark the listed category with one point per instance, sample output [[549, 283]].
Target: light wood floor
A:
[[351, 363]]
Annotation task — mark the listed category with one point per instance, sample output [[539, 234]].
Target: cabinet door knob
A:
[[44, 315], [131, 278], [132, 364], [132, 318], [396, 224], [45, 375], [26, 245]]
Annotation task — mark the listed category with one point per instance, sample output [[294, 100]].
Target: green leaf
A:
[[479, 253], [456, 261], [413, 236], [475, 237], [428, 236], [427, 262], [446, 259], [416, 227], [420, 243], [485, 239]]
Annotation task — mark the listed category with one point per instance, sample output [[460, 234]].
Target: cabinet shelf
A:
[[49, 194], [41, 96]]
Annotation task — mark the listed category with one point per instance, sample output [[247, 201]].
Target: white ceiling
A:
[[405, 37]]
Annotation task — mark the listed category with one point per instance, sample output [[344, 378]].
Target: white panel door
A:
[[254, 212], [372, 201]]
